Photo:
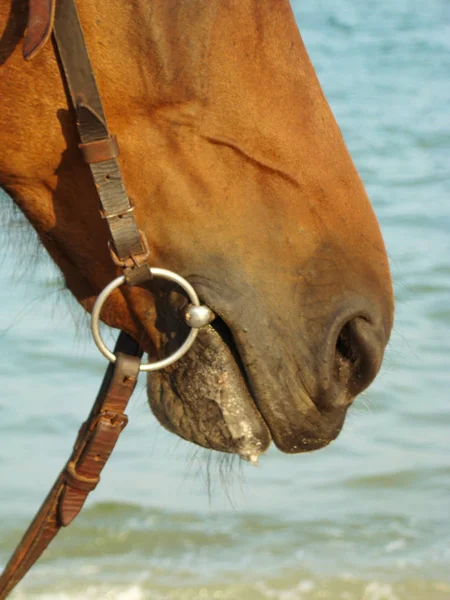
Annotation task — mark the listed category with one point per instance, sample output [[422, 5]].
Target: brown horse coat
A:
[[241, 182]]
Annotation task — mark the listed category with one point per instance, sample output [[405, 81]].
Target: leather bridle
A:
[[130, 252]]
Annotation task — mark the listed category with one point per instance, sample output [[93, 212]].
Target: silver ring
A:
[[160, 364]]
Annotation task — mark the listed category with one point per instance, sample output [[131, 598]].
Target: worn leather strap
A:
[[41, 14], [95, 442], [99, 151], [129, 244]]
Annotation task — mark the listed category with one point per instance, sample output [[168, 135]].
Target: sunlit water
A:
[[364, 519]]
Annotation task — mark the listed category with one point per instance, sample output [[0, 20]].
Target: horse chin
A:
[[204, 398]]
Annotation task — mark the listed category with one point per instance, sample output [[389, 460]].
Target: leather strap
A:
[[95, 442], [98, 146], [94, 152], [41, 14], [129, 249]]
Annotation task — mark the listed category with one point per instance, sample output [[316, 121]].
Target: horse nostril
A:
[[358, 355]]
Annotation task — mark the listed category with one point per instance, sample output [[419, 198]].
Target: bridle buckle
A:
[[135, 259]]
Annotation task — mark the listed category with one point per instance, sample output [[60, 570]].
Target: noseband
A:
[[129, 251]]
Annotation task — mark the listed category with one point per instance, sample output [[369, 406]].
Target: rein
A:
[[130, 252]]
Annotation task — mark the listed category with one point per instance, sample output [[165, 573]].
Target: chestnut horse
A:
[[241, 182]]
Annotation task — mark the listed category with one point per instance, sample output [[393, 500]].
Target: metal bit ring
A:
[[165, 362]]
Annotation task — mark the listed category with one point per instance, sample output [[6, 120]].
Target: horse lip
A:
[[226, 335], [204, 397], [283, 441], [291, 430]]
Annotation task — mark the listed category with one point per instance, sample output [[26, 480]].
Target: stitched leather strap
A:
[[98, 145], [95, 442]]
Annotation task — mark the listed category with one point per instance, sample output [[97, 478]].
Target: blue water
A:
[[364, 519]]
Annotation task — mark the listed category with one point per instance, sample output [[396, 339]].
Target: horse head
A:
[[241, 182]]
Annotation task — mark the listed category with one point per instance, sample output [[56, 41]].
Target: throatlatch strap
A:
[[98, 147], [95, 442]]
